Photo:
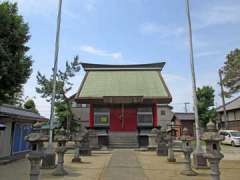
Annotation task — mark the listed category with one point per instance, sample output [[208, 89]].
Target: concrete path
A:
[[123, 165]]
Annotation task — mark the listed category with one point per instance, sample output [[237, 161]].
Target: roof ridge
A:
[[183, 112], [17, 107], [236, 98], [148, 66]]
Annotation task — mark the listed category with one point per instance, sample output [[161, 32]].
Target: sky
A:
[[134, 31]]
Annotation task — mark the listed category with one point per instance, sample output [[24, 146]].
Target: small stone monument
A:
[[93, 139], [152, 145], [170, 136], [161, 140], [77, 137], [36, 140], [61, 140], [213, 154], [84, 146], [187, 150]]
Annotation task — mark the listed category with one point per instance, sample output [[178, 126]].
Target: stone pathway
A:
[[123, 165]]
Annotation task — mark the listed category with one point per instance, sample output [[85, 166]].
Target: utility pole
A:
[[198, 153], [185, 106], [223, 101], [49, 161]]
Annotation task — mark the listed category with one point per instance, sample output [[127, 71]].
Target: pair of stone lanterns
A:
[[213, 150]]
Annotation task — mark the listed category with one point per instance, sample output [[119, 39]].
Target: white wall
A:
[[164, 120]]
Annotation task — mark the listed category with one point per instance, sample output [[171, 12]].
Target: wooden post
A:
[[91, 116], [155, 118]]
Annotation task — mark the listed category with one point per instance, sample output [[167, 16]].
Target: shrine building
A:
[[123, 101]]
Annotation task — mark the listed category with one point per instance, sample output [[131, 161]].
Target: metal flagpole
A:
[[49, 160], [198, 149], [55, 72]]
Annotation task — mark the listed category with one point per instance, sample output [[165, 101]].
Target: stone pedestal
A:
[[35, 159], [60, 171], [214, 167], [49, 159], [171, 157], [187, 165], [199, 161]]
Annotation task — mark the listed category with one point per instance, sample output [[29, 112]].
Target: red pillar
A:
[[155, 116], [91, 116]]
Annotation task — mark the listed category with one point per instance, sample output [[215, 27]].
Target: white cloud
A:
[[217, 15], [100, 52], [173, 77], [90, 5], [43, 7], [163, 30], [207, 53]]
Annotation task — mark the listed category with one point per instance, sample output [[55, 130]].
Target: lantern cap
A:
[[211, 126]]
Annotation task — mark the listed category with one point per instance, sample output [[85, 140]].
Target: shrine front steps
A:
[[123, 140]]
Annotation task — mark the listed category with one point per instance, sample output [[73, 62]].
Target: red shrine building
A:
[[123, 100]]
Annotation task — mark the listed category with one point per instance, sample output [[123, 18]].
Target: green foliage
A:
[[231, 72], [15, 65], [205, 96], [30, 104], [63, 85]]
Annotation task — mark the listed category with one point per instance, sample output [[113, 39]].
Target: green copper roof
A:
[[123, 83]]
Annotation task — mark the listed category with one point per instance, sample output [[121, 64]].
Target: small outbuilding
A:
[[16, 123], [184, 120], [233, 115]]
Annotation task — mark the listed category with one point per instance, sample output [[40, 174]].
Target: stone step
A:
[[123, 140], [120, 146]]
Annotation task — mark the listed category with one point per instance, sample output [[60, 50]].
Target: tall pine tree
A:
[[15, 65], [63, 107], [231, 73]]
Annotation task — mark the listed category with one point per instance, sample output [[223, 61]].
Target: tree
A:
[[231, 73], [15, 65], [206, 111], [63, 86], [30, 104]]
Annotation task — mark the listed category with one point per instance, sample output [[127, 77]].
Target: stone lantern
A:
[[170, 136], [161, 140], [36, 140], [213, 154], [187, 150], [61, 140]]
